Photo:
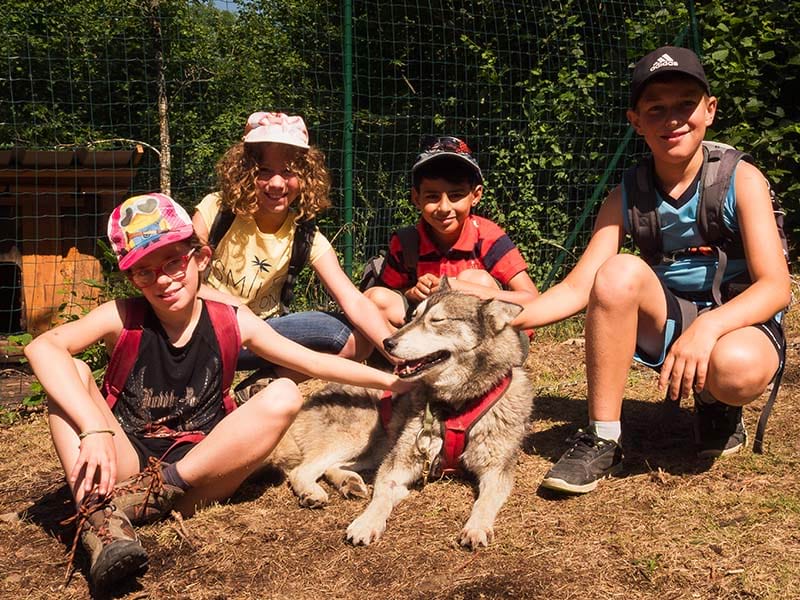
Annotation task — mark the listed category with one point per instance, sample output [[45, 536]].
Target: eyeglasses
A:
[[174, 268], [433, 143]]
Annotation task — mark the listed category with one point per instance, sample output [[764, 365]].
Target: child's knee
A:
[[356, 348], [389, 302], [478, 277], [619, 278], [382, 297], [280, 399], [739, 373]]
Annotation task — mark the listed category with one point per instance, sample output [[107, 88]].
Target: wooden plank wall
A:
[[62, 200]]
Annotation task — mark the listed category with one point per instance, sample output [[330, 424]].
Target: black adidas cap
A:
[[667, 59]]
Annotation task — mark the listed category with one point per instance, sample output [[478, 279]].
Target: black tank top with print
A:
[[173, 390]]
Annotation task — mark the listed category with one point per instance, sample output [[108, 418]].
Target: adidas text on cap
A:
[[667, 59]]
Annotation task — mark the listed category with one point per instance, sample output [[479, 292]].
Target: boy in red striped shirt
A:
[[474, 253]]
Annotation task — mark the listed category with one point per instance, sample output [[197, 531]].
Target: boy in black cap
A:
[[475, 253], [704, 311]]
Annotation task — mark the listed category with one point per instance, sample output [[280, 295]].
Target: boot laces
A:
[[90, 504], [152, 473]]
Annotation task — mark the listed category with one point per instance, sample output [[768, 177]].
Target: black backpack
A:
[[719, 162], [409, 242], [301, 248]]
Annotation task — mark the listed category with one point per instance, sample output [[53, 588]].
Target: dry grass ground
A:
[[672, 528]]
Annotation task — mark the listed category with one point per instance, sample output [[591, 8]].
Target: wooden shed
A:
[[54, 205]]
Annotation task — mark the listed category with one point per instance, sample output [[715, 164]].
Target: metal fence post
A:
[[347, 170]]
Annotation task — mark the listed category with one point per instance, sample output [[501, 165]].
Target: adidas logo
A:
[[665, 60]]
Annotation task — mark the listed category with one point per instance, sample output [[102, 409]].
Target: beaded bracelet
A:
[[92, 431]]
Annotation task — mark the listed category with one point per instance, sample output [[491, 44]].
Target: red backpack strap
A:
[[229, 340], [126, 351]]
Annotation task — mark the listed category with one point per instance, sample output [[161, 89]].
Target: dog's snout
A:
[[389, 344]]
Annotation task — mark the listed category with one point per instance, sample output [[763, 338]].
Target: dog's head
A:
[[457, 340]]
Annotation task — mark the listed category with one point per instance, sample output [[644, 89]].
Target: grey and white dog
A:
[[458, 347]]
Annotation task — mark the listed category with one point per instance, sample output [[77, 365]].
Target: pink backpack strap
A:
[[126, 351], [229, 340]]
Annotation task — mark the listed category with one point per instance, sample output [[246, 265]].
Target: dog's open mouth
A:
[[410, 368]]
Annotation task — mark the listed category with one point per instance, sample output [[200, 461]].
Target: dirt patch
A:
[[671, 528], [15, 384]]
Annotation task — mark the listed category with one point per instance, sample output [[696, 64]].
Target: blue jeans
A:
[[324, 332]]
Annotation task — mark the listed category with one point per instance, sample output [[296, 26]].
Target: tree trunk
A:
[[163, 104]]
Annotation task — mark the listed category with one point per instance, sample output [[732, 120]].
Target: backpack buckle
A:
[[688, 252]]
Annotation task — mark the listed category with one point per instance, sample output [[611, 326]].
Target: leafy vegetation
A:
[[752, 51], [539, 91]]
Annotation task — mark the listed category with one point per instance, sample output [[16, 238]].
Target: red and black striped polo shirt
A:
[[482, 245]]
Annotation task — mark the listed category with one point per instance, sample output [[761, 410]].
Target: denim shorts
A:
[[320, 331], [682, 312]]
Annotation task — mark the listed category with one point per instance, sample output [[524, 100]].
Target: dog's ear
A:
[[499, 313], [444, 284]]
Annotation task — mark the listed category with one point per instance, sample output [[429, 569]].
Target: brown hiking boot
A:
[[115, 552], [145, 497]]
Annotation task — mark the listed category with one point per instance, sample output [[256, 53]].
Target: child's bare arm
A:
[[264, 341], [50, 356], [521, 289], [769, 293], [766, 264], [571, 295], [360, 310]]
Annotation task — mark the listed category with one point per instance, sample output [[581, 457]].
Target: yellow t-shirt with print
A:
[[253, 265]]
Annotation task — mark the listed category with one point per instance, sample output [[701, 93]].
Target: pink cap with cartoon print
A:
[[142, 224]]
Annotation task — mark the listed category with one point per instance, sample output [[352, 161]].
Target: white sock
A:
[[607, 430]]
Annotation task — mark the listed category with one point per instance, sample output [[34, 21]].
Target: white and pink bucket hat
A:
[[278, 128]]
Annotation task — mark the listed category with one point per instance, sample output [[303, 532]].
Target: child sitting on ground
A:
[[706, 313], [475, 253], [273, 183], [167, 430]]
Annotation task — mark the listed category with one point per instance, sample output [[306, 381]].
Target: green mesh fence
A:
[[106, 91]]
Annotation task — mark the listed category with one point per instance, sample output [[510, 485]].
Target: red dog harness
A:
[[456, 427]]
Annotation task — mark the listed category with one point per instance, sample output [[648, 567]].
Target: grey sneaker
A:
[[719, 428], [115, 552], [589, 460]]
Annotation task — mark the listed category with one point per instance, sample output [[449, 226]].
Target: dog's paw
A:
[[364, 530], [476, 537], [354, 487], [314, 499]]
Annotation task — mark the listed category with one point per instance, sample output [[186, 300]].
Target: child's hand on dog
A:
[[401, 386], [426, 285]]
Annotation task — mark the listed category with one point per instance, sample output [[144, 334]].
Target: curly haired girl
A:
[[271, 181]]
